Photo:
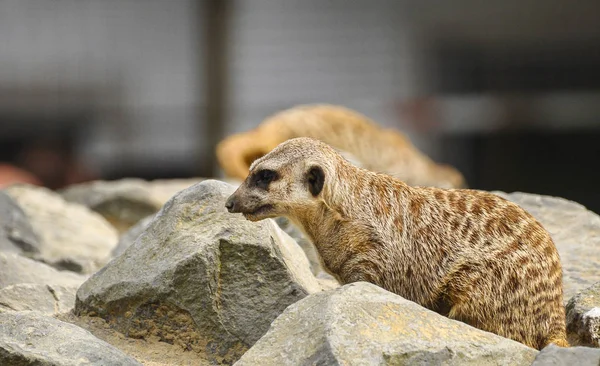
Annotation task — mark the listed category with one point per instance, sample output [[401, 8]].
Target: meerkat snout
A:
[[230, 204], [252, 198]]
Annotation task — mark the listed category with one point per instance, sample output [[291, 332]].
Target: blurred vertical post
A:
[[215, 17]]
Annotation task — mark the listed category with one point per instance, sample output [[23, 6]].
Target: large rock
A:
[[200, 277], [576, 233], [29, 338], [71, 236], [125, 202], [128, 237], [362, 324], [574, 356], [583, 317], [15, 269], [16, 234]]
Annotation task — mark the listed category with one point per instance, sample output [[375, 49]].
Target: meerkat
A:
[[378, 149], [466, 254]]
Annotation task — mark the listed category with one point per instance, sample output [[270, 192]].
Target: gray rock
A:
[[29, 285], [576, 233], [46, 299], [71, 236], [15, 269], [200, 277], [130, 235], [553, 355], [583, 317], [125, 202], [30, 338], [16, 234], [362, 324]]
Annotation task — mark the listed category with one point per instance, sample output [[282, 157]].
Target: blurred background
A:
[[507, 91]]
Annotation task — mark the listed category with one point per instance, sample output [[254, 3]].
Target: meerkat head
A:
[[288, 179]]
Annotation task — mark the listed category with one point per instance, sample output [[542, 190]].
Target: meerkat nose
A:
[[230, 204]]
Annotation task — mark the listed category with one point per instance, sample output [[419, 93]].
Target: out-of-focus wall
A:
[[128, 74], [382, 57], [131, 68], [361, 54]]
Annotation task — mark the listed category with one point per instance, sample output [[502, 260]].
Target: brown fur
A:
[[467, 254], [377, 149]]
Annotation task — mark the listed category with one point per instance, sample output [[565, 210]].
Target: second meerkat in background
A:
[[375, 148]]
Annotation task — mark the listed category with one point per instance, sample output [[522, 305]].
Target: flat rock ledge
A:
[[16, 269], [46, 299], [362, 324], [26, 284], [30, 338], [200, 277]]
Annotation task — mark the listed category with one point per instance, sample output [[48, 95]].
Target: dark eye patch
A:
[[263, 178]]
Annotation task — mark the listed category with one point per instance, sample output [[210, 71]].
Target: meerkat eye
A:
[[263, 177]]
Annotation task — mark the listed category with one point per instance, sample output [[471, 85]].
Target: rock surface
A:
[[16, 234], [125, 202], [576, 233], [583, 317], [71, 236], [29, 338], [200, 277], [130, 235], [573, 356], [362, 324], [46, 299], [15, 269], [29, 285]]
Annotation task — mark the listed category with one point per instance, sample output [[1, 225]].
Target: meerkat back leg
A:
[[481, 317], [495, 301]]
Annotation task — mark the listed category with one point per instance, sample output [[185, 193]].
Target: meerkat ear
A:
[[316, 179]]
